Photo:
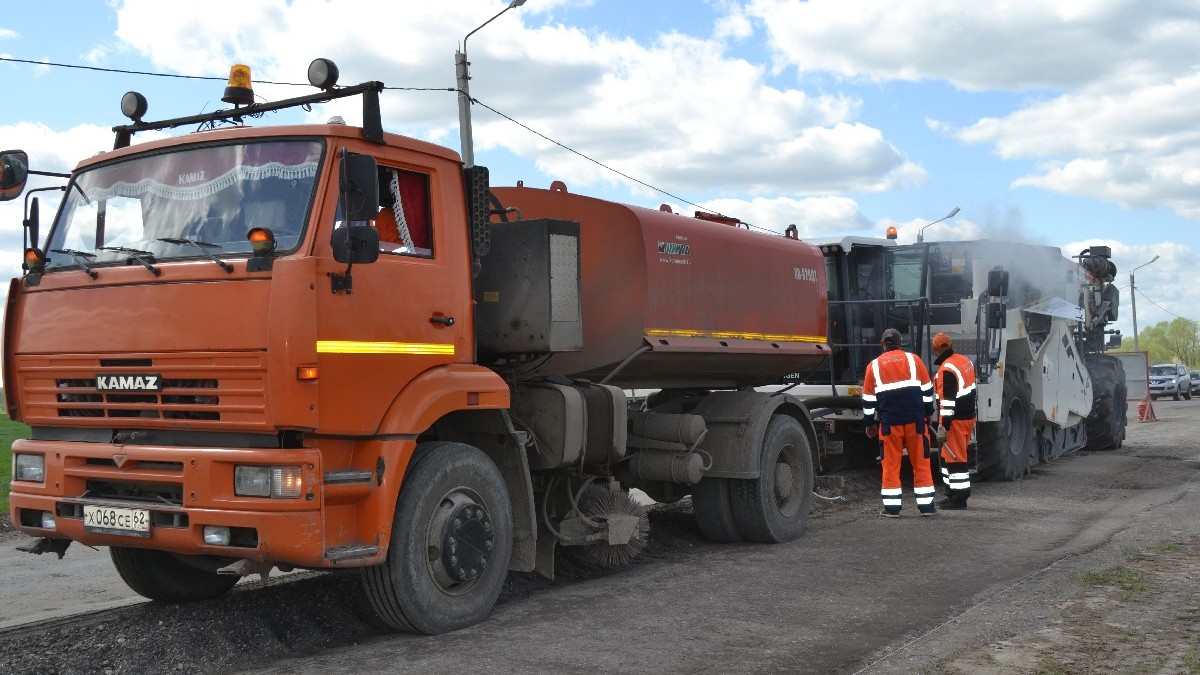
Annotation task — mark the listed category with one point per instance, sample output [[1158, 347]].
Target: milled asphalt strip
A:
[[1184, 487]]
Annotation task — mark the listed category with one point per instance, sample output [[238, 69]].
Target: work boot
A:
[[890, 514], [955, 504], [946, 500], [931, 512]]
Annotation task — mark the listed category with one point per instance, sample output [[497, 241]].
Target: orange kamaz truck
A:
[[325, 346]]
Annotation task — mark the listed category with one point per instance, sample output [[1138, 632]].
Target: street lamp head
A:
[[921, 232], [516, 3]]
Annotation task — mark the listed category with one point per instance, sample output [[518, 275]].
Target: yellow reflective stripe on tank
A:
[[357, 347], [733, 335]]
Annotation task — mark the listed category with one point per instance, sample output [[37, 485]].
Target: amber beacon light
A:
[[239, 90]]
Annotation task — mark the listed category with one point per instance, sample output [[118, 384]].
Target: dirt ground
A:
[[1090, 565]]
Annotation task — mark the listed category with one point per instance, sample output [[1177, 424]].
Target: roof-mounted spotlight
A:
[[133, 105], [322, 74], [239, 91]]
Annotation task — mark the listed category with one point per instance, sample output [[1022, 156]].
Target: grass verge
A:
[[9, 432]]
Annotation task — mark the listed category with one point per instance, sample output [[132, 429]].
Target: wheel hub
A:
[[784, 481], [467, 542]]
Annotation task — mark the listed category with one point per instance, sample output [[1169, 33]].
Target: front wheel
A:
[[167, 577], [1007, 447], [450, 546]]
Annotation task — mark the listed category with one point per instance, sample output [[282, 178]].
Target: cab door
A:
[[406, 313]]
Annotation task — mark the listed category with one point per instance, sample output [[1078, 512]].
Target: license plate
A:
[[111, 520]]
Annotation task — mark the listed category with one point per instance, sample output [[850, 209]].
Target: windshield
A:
[[1162, 370], [182, 203]]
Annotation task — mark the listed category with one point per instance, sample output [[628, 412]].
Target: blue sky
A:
[[1062, 123]]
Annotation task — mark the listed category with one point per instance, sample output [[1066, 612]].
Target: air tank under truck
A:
[[229, 364]]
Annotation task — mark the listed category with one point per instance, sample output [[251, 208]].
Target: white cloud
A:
[[1019, 44], [814, 217], [679, 113], [1117, 122]]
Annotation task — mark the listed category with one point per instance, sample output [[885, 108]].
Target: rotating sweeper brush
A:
[[624, 516]]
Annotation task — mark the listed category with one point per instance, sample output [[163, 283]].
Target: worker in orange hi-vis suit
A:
[[954, 383], [897, 401]]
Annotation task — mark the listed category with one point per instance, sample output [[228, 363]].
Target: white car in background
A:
[[1170, 379]]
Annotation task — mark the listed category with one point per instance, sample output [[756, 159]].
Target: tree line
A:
[[1175, 341]]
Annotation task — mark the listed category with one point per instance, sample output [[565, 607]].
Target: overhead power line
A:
[[447, 89]]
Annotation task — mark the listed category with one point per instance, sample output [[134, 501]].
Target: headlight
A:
[[279, 482], [29, 467]]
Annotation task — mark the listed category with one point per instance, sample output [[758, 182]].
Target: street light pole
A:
[[463, 77], [1133, 301], [921, 232]]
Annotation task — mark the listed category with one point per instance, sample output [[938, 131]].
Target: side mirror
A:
[[14, 171], [355, 244], [997, 283], [359, 185], [31, 223], [995, 315], [1113, 295], [1114, 341]]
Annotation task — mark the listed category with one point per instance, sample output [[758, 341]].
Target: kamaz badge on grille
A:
[[140, 382]]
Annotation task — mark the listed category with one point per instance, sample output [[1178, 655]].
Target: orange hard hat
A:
[[941, 342]]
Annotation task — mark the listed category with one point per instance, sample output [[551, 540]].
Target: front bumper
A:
[[184, 490], [1164, 389]]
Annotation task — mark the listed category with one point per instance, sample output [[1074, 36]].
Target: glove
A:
[[941, 435], [872, 431]]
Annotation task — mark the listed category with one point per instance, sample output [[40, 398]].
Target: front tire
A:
[[1007, 448], [450, 546], [166, 577]]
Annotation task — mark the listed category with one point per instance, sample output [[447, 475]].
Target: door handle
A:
[[443, 320]]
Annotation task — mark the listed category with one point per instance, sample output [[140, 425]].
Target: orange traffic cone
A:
[[1146, 411]]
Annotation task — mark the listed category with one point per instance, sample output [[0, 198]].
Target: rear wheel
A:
[[1106, 423], [774, 507], [714, 510], [450, 546], [1007, 448], [167, 577]]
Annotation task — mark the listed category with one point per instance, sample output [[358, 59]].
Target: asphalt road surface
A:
[[857, 594]]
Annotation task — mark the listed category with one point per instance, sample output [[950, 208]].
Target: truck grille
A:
[[221, 390], [179, 400]]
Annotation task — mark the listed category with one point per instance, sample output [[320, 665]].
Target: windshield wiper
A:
[[203, 246], [143, 258], [81, 259]]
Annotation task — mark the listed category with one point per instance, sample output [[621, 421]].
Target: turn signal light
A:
[[35, 260], [262, 240], [307, 373]]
